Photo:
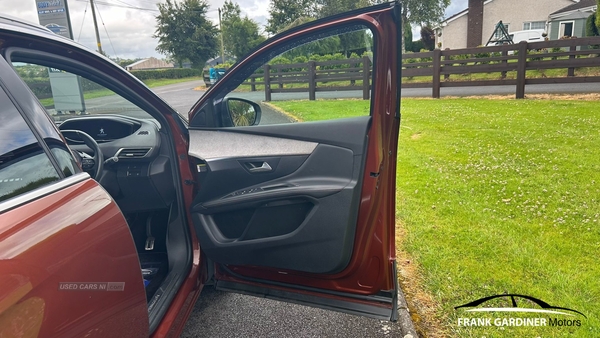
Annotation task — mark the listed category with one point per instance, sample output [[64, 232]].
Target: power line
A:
[[105, 30], [133, 6], [120, 6], [82, 21]]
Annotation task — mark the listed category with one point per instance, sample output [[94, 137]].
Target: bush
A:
[[417, 46]]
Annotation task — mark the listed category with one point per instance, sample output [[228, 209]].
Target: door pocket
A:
[[270, 220]]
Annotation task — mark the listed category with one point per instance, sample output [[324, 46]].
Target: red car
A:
[[115, 211]]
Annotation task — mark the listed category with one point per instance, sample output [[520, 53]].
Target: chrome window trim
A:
[[43, 191]]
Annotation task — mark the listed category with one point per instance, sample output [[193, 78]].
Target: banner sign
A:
[[66, 87]]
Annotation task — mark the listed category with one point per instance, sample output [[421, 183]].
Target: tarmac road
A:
[[221, 314], [182, 96]]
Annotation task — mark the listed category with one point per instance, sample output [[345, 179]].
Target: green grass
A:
[[497, 196]]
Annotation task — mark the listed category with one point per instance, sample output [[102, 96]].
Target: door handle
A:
[[255, 167]]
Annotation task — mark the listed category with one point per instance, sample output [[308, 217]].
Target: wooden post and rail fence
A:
[[443, 68]]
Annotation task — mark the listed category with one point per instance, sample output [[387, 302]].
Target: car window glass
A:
[[65, 161], [337, 65], [24, 166], [66, 95]]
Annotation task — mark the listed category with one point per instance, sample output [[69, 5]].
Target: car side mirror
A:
[[243, 112]]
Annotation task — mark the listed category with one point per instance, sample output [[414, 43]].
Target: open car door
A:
[[304, 212]]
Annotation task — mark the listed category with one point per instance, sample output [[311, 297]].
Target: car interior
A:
[[129, 152]]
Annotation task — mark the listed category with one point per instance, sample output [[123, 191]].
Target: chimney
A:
[[475, 24]]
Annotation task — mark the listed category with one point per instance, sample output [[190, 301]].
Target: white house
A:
[[475, 25]]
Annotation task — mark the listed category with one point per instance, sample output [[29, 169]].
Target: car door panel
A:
[[70, 250], [301, 219], [324, 234]]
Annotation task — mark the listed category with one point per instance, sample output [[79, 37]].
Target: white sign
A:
[[66, 87]]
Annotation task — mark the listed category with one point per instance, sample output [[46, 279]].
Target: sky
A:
[[130, 24]]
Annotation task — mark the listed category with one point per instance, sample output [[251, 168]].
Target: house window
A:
[[534, 25], [498, 33], [566, 29]]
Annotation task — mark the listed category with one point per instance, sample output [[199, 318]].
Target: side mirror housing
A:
[[242, 112]]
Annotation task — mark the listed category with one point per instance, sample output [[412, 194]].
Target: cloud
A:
[[125, 32], [130, 30]]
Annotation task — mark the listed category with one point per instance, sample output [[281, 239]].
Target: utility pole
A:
[[222, 47], [96, 27]]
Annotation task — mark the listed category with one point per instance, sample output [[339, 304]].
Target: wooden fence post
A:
[[571, 70], [279, 74], [521, 69], [252, 84], [437, 55], [366, 70], [267, 83], [504, 62], [311, 80], [447, 57]]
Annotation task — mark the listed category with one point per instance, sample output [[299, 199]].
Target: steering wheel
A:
[[93, 164]]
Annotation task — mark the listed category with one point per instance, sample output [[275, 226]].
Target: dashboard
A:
[[139, 177], [120, 136]]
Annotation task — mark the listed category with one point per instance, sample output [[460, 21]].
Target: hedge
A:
[[170, 73], [40, 86]]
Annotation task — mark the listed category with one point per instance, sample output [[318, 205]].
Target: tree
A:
[[184, 32], [597, 16], [428, 37], [283, 12], [422, 12], [590, 26], [408, 36], [240, 35], [332, 7]]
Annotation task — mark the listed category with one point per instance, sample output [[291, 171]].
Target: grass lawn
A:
[[495, 196]]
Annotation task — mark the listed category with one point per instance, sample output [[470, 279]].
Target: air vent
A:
[[133, 152], [143, 132]]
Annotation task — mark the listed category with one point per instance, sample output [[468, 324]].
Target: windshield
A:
[[66, 95]]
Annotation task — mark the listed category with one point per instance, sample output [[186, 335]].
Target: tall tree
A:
[[408, 36], [240, 35], [428, 37], [332, 7], [590, 26], [283, 12], [348, 42], [597, 16], [184, 32], [422, 12]]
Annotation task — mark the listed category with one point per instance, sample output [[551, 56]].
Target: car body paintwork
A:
[[69, 236]]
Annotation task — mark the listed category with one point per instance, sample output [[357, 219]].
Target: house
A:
[[571, 20], [475, 25], [147, 64]]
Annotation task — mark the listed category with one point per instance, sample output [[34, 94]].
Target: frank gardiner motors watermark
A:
[[548, 315]]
